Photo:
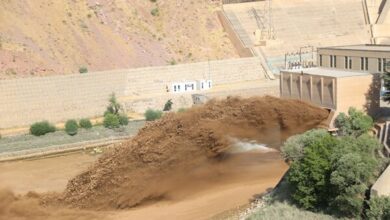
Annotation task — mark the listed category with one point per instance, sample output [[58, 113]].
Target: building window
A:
[[350, 62], [384, 65], [364, 63], [380, 65], [346, 62], [320, 60], [333, 62]]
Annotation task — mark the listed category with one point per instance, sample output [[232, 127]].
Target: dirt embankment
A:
[[165, 154]]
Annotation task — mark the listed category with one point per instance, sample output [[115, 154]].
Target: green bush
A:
[[123, 119], [181, 110], [85, 123], [155, 12], [71, 127], [42, 128], [168, 105], [83, 70], [152, 115], [379, 208], [111, 121]]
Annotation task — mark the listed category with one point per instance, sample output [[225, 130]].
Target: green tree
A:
[[355, 166], [379, 208], [114, 116], [355, 123], [114, 107], [349, 179], [309, 176], [293, 148], [332, 173]]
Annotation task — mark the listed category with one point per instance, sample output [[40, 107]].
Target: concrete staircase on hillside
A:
[[240, 24], [240, 31]]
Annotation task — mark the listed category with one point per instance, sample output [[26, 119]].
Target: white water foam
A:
[[241, 146]]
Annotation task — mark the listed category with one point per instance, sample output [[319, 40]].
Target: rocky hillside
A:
[[43, 37]]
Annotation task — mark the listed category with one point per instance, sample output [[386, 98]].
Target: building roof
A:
[[337, 73], [364, 47]]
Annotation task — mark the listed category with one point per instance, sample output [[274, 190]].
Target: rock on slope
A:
[[41, 37]]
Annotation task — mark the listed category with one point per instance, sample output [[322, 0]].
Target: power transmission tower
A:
[[264, 20]]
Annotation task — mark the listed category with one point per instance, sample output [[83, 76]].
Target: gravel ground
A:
[[27, 142]]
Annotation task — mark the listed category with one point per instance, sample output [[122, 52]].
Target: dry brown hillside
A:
[[42, 37]]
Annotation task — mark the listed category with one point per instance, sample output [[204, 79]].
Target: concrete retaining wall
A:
[[58, 98], [381, 186]]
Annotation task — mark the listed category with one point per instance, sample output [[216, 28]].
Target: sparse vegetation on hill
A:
[[83, 70], [59, 36]]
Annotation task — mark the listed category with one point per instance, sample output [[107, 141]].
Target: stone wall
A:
[[58, 98]]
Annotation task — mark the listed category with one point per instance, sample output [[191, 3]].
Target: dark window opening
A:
[[366, 64], [350, 63]]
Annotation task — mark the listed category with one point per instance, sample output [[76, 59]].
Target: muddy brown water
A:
[[180, 166], [237, 181]]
